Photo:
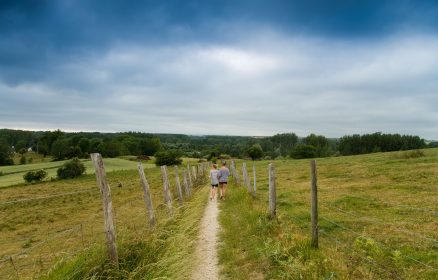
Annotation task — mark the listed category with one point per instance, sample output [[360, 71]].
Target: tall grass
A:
[[61, 222], [377, 220]]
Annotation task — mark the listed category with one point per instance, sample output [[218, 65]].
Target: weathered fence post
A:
[[255, 179], [105, 191], [178, 186], [194, 174], [246, 181], [166, 190], [190, 176], [186, 183], [272, 192], [235, 173], [314, 214], [146, 195]]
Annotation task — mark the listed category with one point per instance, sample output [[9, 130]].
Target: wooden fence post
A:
[[166, 190], [272, 192], [255, 179], [190, 176], [146, 195], [194, 174], [186, 183], [105, 191], [178, 186], [314, 213], [235, 173], [246, 180]]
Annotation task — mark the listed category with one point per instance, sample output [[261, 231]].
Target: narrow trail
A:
[[206, 249]]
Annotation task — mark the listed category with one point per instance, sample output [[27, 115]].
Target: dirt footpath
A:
[[206, 249]]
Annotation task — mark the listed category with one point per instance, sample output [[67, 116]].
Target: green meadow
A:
[[378, 219], [13, 175]]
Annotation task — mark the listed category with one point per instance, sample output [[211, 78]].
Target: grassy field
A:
[[13, 175], [378, 219], [54, 230]]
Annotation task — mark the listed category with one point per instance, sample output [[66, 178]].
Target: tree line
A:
[[64, 145]]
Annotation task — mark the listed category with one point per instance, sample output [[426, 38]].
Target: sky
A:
[[225, 67]]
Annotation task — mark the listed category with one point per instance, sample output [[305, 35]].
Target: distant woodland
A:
[[64, 145]]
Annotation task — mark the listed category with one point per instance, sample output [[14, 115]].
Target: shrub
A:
[[35, 176], [167, 158], [71, 169]]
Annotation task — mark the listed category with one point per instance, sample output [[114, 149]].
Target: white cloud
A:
[[258, 86]]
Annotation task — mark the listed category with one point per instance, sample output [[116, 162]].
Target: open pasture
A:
[[13, 175], [378, 219]]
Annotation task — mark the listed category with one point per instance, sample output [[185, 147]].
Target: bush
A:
[[71, 169], [35, 176], [167, 158]]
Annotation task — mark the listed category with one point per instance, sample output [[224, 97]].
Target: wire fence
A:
[[41, 249], [360, 219]]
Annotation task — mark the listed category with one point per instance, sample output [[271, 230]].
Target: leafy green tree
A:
[[303, 151], [255, 152], [149, 146], [285, 142], [168, 158], [320, 143], [60, 148], [5, 153], [21, 145], [111, 148], [71, 169], [84, 144]]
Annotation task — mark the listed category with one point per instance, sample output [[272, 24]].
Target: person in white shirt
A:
[[214, 181]]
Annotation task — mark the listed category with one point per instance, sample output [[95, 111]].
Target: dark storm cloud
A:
[[331, 67]]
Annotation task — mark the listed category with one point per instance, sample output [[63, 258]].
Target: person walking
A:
[[224, 173], [214, 178]]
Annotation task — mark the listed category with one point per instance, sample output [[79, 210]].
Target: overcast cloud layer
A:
[[220, 68]]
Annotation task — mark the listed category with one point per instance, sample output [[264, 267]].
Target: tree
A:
[[285, 141], [71, 169], [84, 144], [59, 148], [5, 153], [21, 145], [150, 146], [168, 158], [303, 151], [320, 143], [255, 152]]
